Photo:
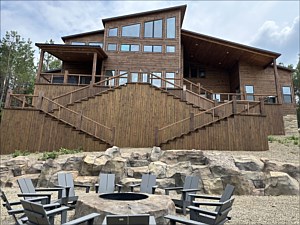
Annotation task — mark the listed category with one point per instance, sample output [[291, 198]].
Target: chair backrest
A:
[[190, 182], [66, 180], [148, 181], [8, 206], [117, 219], [227, 194], [224, 209], [106, 183], [35, 213], [26, 186], [138, 219]]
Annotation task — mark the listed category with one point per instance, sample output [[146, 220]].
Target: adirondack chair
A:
[[203, 217], [21, 219], [107, 184], [148, 184], [191, 184], [65, 181], [138, 219], [37, 215], [29, 191], [227, 194]]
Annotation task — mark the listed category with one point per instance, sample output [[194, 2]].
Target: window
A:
[[145, 77], [170, 77], [152, 48], [217, 97], [113, 32], [153, 29], [110, 73], [249, 92], [287, 94], [170, 48], [131, 30], [123, 78], [155, 80], [112, 47], [58, 80], [134, 77], [96, 44], [130, 48], [171, 31], [77, 43]]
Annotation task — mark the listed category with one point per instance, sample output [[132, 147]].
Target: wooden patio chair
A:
[[203, 217], [38, 216], [107, 184], [190, 185], [29, 191], [14, 212], [227, 194], [65, 181], [148, 184], [137, 219]]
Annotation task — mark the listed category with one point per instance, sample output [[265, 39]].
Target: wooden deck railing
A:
[[210, 116], [62, 113], [197, 88]]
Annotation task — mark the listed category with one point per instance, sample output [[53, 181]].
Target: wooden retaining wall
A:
[[274, 119], [33, 131]]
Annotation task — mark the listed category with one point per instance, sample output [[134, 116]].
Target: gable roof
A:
[[225, 53], [182, 8], [82, 34]]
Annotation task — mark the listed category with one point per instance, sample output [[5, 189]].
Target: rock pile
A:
[[249, 175]]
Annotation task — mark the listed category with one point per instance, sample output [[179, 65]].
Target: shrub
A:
[[61, 151], [20, 153]]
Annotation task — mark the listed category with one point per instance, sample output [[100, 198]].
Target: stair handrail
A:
[[199, 87], [47, 108]]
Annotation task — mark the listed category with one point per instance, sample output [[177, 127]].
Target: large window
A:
[[153, 29], [287, 94], [96, 44], [77, 43], [170, 49], [108, 74], [123, 77], [152, 48], [130, 48], [134, 77], [171, 27], [156, 81], [170, 77], [113, 32], [112, 47], [249, 92], [131, 30]]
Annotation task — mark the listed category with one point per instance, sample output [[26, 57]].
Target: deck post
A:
[[66, 76], [39, 71], [192, 121], [94, 67], [234, 104], [8, 98], [79, 120], [183, 97], [199, 88], [40, 100], [276, 82], [156, 136], [262, 106]]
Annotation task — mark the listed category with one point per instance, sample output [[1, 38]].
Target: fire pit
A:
[[124, 196], [125, 203]]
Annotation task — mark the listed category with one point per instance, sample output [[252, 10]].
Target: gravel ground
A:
[[254, 210]]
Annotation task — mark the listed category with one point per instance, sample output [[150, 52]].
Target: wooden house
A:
[[144, 81]]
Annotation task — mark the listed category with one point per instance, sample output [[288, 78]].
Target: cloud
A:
[[283, 39]]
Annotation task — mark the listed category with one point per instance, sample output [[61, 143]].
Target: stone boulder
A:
[[93, 164], [113, 152], [248, 163], [178, 168], [137, 172], [155, 154], [158, 168], [279, 183], [174, 156]]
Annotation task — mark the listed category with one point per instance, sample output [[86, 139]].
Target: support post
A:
[[156, 136], [94, 67], [8, 98], [66, 74], [40, 100], [38, 74], [199, 88], [192, 121], [234, 104], [183, 97], [262, 106], [276, 82], [79, 120]]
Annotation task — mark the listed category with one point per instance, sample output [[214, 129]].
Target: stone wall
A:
[[290, 125], [249, 175]]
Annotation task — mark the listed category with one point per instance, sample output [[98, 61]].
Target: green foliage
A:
[[285, 140], [271, 139], [20, 153], [61, 151], [50, 62], [296, 83], [17, 70]]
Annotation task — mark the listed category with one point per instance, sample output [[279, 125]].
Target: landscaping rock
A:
[[248, 163], [279, 183]]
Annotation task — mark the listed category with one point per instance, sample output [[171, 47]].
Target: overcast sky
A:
[[270, 25]]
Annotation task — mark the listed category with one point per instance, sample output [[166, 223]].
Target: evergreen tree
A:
[[296, 82], [17, 70], [51, 62]]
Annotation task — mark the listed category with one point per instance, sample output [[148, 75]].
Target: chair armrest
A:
[[205, 196], [189, 190], [89, 217], [182, 220], [11, 203], [50, 189], [195, 203], [153, 189], [53, 212], [133, 186], [203, 211], [15, 211], [168, 189], [87, 187], [51, 205], [119, 187], [47, 196]]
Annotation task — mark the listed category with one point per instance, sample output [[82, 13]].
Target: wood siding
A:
[[274, 119], [33, 131], [86, 38]]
